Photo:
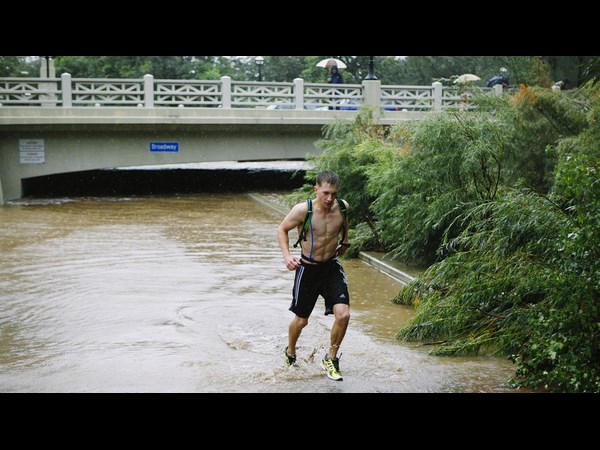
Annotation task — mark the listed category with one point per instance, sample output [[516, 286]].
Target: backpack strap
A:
[[343, 209], [306, 224], [344, 213]]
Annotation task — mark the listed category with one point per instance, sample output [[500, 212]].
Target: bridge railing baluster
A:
[[223, 93]]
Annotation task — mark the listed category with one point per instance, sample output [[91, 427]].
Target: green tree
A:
[[16, 66], [588, 68], [448, 162], [503, 200], [214, 67], [285, 68], [529, 70], [162, 67], [412, 70], [577, 69], [423, 70], [518, 278]]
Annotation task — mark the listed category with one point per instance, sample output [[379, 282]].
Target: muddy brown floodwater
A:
[[189, 294]]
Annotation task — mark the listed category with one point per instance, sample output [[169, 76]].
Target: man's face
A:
[[326, 194]]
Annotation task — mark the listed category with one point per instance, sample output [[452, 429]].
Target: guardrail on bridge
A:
[[67, 92]]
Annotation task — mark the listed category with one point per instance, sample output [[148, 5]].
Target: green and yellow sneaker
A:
[[332, 366], [289, 359]]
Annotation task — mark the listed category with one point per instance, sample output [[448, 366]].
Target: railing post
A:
[[437, 96], [148, 91], [299, 93], [67, 90], [498, 88], [226, 92], [372, 93], [47, 70]]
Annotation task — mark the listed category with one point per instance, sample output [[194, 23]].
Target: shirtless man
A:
[[318, 270]]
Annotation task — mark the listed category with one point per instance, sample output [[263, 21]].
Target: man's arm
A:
[[294, 219]]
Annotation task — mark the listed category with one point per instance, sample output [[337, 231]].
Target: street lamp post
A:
[[259, 60], [48, 59], [371, 75]]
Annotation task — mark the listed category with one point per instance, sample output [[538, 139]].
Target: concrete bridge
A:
[[60, 125]]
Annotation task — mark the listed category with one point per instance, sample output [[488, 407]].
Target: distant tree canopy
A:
[[411, 70], [16, 66]]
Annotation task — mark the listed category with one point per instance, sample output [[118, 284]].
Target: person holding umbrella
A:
[[328, 63], [465, 81], [336, 76]]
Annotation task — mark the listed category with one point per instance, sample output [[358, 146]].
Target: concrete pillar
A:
[[47, 70], [43, 68], [226, 92], [148, 91], [498, 89], [67, 90], [437, 96], [299, 93], [1, 195], [372, 93]]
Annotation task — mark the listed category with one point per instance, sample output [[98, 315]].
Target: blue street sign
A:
[[164, 146]]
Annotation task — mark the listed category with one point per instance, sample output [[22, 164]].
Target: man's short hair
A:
[[328, 177]]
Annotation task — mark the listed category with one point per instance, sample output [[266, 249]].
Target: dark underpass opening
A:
[[115, 182]]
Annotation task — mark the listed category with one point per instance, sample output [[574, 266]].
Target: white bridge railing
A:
[[226, 93]]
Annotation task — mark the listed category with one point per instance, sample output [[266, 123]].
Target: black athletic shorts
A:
[[327, 279]]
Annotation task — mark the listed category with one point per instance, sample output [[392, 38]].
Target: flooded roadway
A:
[[189, 294]]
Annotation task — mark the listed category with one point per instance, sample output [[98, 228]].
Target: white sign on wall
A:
[[32, 151]]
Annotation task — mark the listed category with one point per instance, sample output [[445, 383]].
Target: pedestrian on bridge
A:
[[336, 76]]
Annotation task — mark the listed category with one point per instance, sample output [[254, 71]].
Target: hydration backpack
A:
[[308, 219]]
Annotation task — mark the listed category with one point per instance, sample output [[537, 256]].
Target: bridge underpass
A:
[[221, 177], [84, 147]]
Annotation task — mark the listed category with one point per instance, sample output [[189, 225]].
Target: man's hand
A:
[[291, 262], [341, 250]]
